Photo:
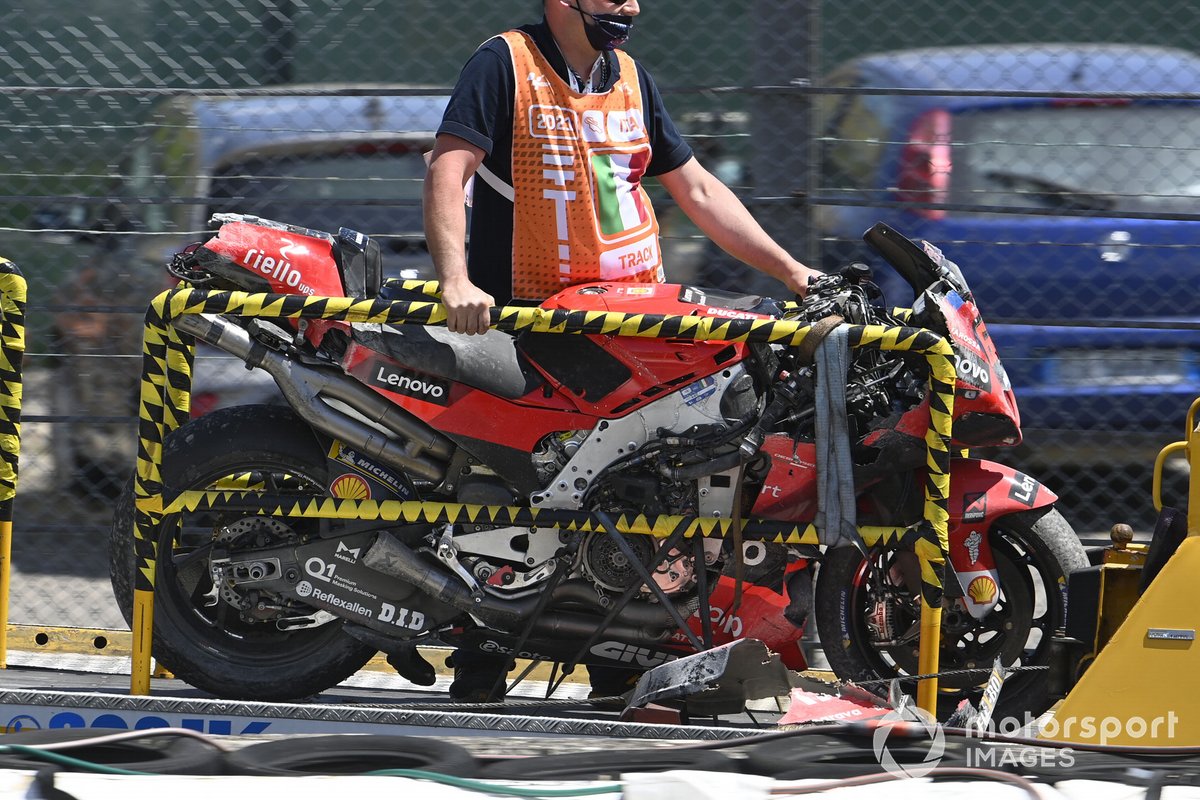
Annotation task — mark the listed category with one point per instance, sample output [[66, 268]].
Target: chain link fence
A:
[[129, 123]]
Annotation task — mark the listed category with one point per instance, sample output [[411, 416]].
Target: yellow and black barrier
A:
[[12, 351], [433, 289], [165, 396], [659, 526]]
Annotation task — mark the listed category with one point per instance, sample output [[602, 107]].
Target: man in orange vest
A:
[[554, 129], [558, 128]]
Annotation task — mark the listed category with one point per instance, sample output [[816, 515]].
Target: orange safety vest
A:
[[579, 210]]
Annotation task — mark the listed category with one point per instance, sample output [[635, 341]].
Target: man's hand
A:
[[798, 277], [467, 307]]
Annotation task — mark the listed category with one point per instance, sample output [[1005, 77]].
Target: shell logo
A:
[[982, 589], [350, 487]]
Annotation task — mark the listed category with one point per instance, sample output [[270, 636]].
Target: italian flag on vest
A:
[[620, 205]]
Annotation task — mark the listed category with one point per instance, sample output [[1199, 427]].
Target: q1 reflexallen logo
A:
[[916, 747]]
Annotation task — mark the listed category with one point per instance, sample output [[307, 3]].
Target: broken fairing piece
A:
[[716, 681]]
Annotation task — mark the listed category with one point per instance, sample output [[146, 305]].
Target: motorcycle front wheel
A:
[[868, 616], [200, 633]]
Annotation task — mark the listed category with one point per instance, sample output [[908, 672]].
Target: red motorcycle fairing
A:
[[288, 261], [654, 367], [789, 492], [645, 369], [456, 409], [759, 616], [985, 409], [648, 298], [981, 492]]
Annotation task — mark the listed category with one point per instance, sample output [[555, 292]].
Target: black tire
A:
[[604, 765], [198, 635], [351, 754], [164, 754], [1035, 552]]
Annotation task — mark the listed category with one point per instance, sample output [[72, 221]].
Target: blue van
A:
[[1068, 215]]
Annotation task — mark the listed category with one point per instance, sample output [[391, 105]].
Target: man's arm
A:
[[452, 164], [718, 212]]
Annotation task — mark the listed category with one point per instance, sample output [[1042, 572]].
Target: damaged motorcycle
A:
[[249, 605]]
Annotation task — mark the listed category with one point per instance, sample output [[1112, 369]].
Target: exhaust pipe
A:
[[641, 622], [423, 451]]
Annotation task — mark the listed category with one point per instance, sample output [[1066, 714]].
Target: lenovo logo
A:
[[424, 388]]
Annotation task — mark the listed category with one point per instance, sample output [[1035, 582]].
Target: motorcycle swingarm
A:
[[327, 574], [981, 493]]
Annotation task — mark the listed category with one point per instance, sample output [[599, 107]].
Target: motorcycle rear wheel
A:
[[198, 635], [1035, 551]]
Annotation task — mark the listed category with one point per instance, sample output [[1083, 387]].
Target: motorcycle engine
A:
[[606, 564], [878, 382], [553, 453]]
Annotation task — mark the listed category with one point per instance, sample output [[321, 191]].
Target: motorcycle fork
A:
[[892, 583], [898, 584]]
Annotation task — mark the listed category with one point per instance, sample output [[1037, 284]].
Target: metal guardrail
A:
[[167, 357]]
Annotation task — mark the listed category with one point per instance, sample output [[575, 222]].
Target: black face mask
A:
[[605, 31]]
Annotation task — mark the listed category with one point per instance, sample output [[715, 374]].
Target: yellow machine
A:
[[1135, 681]]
